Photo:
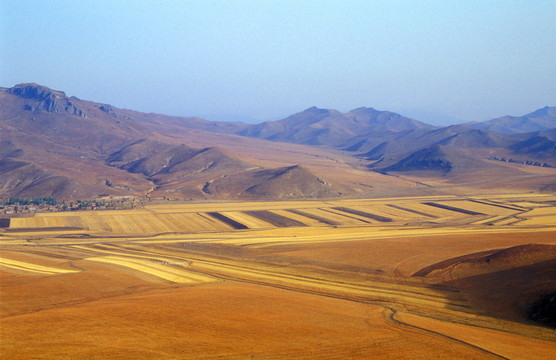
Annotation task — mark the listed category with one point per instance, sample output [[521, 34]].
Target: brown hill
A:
[[448, 161], [541, 119], [213, 172], [40, 112], [179, 169], [135, 152], [331, 128], [55, 145], [21, 178], [511, 283], [489, 261], [434, 158], [540, 145], [292, 182], [87, 149], [376, 120], [153, 159], [393, 143], [446, 150], [457, 151], [26, 179]]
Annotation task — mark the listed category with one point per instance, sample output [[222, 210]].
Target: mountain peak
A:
[[545, 111], [36, 92], [540, 119], [362, 109], [45, 99], [315, 110]]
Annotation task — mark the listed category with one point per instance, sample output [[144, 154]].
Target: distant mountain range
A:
[[55, 145], [398, 144], [541, 119], [316, 126]]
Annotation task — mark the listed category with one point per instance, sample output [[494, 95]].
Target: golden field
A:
[[408, 277]]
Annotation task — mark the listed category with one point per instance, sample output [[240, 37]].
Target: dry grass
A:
[[33, 268], [171, 281], [250, 221], [163, 269], [496, 342], [194, 218], [229, 320]]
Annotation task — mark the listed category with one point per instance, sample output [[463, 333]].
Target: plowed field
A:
[[361, 279]]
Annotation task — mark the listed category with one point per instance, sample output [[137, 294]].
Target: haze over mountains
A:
[[541, 119], [55, 145]]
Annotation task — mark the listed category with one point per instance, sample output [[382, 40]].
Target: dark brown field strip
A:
[[207, 217], [274, 219], [233, 223], [497, 205], [4, 223], [363, 213], [314, 217], [411, 210], [345, 215], [452, 208]]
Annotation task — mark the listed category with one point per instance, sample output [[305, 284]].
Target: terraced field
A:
[[369, 278]]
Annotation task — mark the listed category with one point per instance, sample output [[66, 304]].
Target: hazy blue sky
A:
[[469, 60]]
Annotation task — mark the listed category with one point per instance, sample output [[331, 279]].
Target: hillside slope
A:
[[55, 145], [538, 120], [331, 128], [508, 283]]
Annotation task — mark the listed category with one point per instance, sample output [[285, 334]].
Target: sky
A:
[[437, 61]]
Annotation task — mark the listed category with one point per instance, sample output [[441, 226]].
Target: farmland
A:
[[407, 277]]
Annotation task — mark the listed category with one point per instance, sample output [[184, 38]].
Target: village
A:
[[16, 207]]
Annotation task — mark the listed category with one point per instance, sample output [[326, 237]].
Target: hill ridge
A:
[[102, 149]]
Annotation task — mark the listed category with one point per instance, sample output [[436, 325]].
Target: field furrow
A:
[[299, 217], [363, 214], [411, 211], [481, 207], [40, 269], [273, 218], [161, 269], [233, 223], [250, 221], [360, 278], [319, 219], [348, 216], [370, 292], [261, 272], [496, 204], [453, 208], [331, 215]]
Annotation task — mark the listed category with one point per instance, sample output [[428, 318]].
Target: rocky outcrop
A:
[[45, 99]]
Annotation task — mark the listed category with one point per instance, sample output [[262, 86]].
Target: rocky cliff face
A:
[[46, 99]]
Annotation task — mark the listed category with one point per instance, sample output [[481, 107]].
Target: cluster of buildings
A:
[[18, 207]]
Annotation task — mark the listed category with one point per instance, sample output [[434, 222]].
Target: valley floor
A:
[[432, 277]]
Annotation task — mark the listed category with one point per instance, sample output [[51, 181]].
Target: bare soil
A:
[[413, 288]]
